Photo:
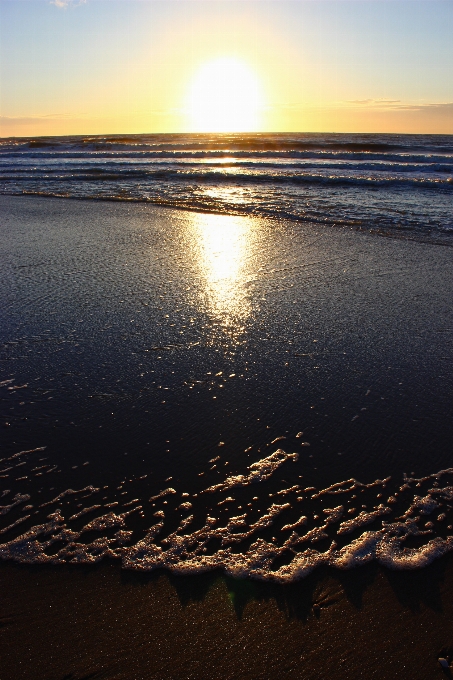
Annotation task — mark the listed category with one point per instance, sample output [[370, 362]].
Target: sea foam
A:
[[307, 529]]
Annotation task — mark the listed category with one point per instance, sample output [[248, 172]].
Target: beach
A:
[[226, 445], [98, 622], [226, 340]]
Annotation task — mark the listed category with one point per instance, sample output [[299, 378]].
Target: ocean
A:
[[397, 184], [245, 384]]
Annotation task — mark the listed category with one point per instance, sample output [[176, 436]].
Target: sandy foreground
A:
[[101, 623], [383, 303]]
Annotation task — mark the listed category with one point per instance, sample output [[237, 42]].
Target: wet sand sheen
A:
[[153, 351]]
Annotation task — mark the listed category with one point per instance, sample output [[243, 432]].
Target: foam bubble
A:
[[17, 500], [162, 494], [243, 544], [362, 519], [259, 471]]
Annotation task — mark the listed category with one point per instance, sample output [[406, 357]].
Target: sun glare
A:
[[225, 96]]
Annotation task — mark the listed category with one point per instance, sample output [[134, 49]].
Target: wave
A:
[[130, 164], [229, 525], [234, 156], [349, 143], [221, 177]]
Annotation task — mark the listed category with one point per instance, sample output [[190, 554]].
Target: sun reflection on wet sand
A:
[[222, 249]]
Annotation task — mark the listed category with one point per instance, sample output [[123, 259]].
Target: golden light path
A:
[[225, 96], [222, 249]]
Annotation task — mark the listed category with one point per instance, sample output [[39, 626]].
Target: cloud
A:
[[398, 105], [368, 102], [443, 107], [446, 106], [359, 101], [20, 120], [27, 120], [67, 3]]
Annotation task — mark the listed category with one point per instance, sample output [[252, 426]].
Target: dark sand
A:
[[101, 623], [380, 311]]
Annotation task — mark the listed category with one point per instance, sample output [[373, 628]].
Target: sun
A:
[[225, 96]]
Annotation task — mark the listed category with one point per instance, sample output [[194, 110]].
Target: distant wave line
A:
[[230, 178]]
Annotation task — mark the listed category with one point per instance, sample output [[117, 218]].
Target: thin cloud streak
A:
[[398, 105], [67, 3], [25, 120]]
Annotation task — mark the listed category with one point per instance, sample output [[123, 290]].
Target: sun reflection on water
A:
[[222, 247]]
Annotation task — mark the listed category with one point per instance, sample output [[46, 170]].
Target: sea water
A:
[[389, 183]]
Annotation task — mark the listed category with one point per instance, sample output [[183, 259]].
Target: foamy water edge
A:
[[419, 510]]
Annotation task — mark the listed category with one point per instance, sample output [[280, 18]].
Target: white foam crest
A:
[[83, 512], [333, 515], [6, 470], [349, 485], [108, 521], [14, 524], [24, 453], [162, 494], [17, 500], [315, 534], [299, 522], [28, 548], [259, 471], [69, 492], [446, 493], [263, 522], [435, 475], [425, 505], [291, 489], [224, 542], [362, 519]]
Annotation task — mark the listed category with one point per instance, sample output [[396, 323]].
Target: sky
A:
[[137, 66]]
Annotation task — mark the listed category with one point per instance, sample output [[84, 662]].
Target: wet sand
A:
[[137, 340], [103, 623]]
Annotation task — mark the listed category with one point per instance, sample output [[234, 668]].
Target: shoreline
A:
[[447, 242]]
